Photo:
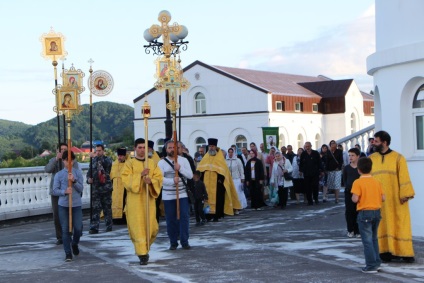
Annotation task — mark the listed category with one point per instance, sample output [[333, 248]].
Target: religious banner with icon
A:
[[72, 78], [67, 99], [100, 83], [53, 46], [270, 137]]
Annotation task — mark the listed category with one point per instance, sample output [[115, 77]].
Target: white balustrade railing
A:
[[360, 137], [25, 192]]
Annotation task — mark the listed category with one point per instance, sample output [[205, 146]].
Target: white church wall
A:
[[397, 68]]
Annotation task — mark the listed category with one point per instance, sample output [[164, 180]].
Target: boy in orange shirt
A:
[[368, 193]]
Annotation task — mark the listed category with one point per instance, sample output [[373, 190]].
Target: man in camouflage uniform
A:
[[101, 196]]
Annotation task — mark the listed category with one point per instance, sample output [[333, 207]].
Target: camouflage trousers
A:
[[101, 201]]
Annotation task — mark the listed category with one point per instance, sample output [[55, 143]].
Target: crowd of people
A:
[[218, 182]]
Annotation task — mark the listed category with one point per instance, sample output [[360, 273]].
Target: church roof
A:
[[280, 83]]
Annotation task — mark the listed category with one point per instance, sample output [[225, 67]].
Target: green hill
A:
[[112, 123]]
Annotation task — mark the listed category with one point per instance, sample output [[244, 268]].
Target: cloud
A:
[[339, 52]]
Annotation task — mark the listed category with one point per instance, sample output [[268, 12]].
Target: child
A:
[[200, 196], [63, 191], [368, 193], [350, 174]]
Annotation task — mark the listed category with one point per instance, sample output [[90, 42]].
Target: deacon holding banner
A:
[[222, 195], [136, 178]]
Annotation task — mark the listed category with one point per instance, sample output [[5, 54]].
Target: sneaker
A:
[[358, 235], [59, 242], [93, 231], [75, 249], [172, 248], [324, 200], [108, 229], [236, 212], [144, 259], [350, 234], [365, 270], [68, 258], [260, 208]]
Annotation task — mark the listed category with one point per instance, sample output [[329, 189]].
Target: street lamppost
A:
[[172, 44]]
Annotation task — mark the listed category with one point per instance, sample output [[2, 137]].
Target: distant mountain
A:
[[112, 123]]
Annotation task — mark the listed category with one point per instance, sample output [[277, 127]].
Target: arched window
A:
[[200, 102], [241, 141], [160, 144], [199, 143], [300, 141], [418, 112], [317, 141], [352, 123]]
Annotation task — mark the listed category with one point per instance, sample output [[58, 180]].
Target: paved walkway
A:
[[299, 244]]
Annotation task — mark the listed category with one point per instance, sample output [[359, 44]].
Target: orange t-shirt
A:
[[370, 192]]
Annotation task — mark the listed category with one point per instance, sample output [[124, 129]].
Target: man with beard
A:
[[394, 233], [177, 228], [222, 195], [137, 179]]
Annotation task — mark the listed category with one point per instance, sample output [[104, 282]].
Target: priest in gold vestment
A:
[[222, 194], [136, 178], [118, 193], [394, 232]]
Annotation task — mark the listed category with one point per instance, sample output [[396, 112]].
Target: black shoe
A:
[[215, 220], [75, 249], [108, 229], [202, 222], [93, 231], [316, 202], [144, 259], [198, 224], [386, 257], [408, 259], [172, 248], [59, 242], [68, 258], [187, 247]]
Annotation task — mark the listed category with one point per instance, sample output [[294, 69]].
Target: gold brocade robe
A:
[[118, 189], [211, 166], [394, 231], [135, 209]]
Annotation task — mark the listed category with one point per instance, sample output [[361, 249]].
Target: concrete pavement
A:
[[299, 244]]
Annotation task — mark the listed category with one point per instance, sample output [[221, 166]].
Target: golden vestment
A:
[[211, 166], [394, 231], [118, 188], [135, 209]]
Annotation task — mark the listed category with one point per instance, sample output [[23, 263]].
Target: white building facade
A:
[[233, 105], [398, 70]]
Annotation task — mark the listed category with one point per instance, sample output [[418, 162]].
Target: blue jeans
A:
[[368, 221], [76, 224], [177, 228]]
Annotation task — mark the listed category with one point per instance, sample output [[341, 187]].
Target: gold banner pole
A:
[[145, 111]]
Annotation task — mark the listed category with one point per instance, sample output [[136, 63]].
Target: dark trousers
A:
[[256, 194], [198, 210], [283, 194], [56, 219], [350, 213], [311, 185], [101, 201]]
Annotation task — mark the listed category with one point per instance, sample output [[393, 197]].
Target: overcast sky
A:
[[305, 37]]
